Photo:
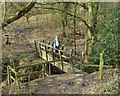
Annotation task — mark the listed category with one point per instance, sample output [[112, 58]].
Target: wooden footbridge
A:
[[64, 63], [48, 53]]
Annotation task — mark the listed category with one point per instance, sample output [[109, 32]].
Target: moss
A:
[[79, 84], [18, 92], [33, 83]]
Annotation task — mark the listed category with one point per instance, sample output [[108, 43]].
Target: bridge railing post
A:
[[60, 56], [53, 54], [71, 60], [43, 45], [49, 59], [40, 54], [35, 42], [44, 70], [46, 52], [43, 40], [16, 78], [49, 69], [82, 60], [8, 77], [48, 42]]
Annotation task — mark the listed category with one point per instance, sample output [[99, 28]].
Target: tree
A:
[[21, 12], [64, 16], [74, 27]]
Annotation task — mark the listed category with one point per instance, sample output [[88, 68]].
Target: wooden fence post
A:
[[46, 53], [60, 56], [8, 76], [82, 61], [52, 55], [48, 42], [36, 46], [44, 71], [46, 59], [16, 78], [71, 60], [43, 40], [49, 69], [49, 59], [40, 54], [101, 65], [62, 47]]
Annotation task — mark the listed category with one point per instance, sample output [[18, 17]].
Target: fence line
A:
[[101, 63], [11, 70], [40, 48]]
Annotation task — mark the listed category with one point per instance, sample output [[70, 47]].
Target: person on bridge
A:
[[56, 44]]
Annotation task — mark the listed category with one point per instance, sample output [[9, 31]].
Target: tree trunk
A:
[[18, 14], [89, 38], [63, 31], [27, 18], [95, 17], [74, 29]]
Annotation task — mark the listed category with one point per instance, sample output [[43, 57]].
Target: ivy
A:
[[107, 32]]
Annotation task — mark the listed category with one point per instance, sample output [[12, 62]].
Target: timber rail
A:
[[46, 52]]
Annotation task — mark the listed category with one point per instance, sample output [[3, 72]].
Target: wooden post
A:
[[46, 59], [43, 40], [52, 54], [48, 42], [46, 53], [40, 54], [62, 47], [43, 44], [8, 76], [82, 61], [60, 56], [49, 59], [71, 60], [62, 50], [49, 69], [44, 71], [101, 65], [36, 46], [16, 79]]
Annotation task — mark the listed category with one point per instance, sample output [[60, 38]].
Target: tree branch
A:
[[84, 6], [67, 14], [18, 14]]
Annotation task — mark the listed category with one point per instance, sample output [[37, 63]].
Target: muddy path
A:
[[67, 84]]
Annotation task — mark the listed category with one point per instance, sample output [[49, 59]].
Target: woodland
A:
[[89, 33]]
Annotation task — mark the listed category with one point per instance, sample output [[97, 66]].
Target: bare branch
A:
[[70, 14], [18, 14]]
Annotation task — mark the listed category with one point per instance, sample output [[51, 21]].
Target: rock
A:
[[85, 84], [79, 84]]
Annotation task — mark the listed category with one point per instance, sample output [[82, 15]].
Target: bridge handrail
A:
[[31, 65], [27, 74], [48, 45]]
